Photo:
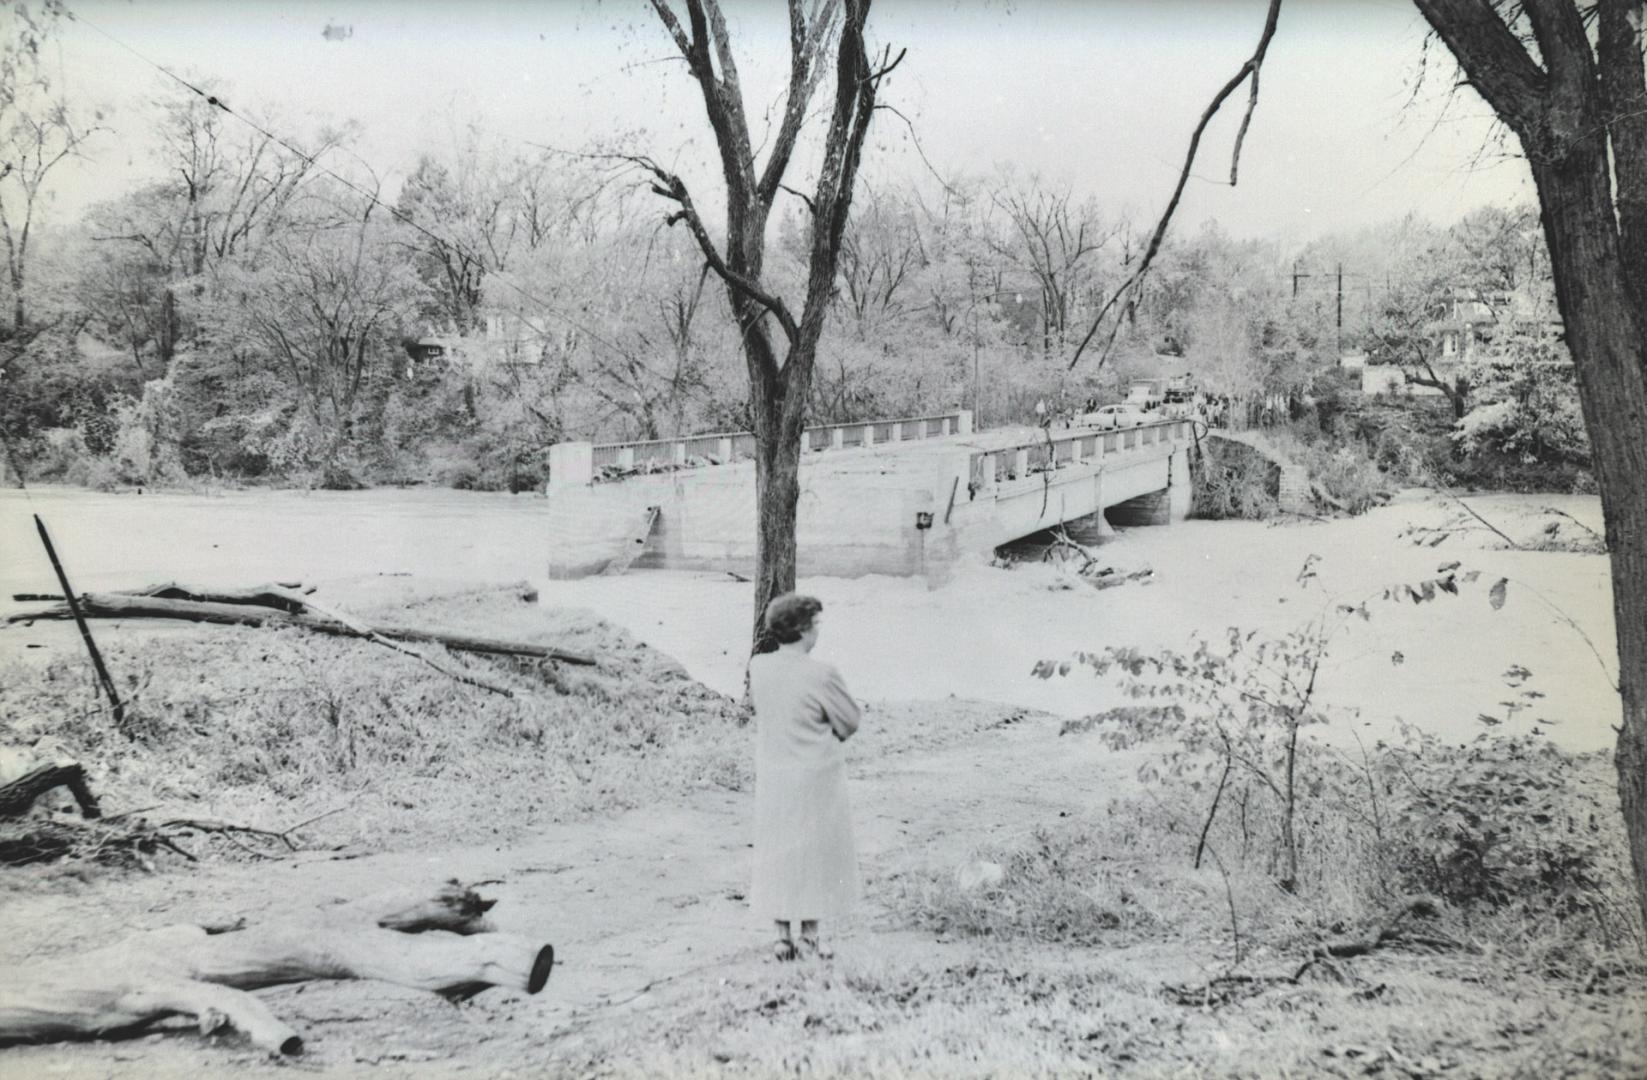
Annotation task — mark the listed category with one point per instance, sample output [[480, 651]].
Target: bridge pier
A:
[[1164, 506], [1091, 530], [1152, 509]]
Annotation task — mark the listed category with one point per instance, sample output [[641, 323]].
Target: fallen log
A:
[[372, 635], [19, 795], [122, 606], [440, 944], [289, 598]]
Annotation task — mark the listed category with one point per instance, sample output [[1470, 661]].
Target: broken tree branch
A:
[[372, 635], [1230, 987], [73, 609], [118, 606], [1250, 69]]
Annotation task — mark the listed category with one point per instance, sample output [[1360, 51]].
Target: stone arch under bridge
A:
[[1293, 480]]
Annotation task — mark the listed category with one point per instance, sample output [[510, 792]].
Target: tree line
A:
[[260, 312]]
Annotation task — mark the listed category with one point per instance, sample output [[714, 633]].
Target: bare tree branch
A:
[[1500, 69], [1248, 70]]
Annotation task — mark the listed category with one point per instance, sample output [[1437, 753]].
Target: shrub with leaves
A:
[[1239, 709], [1235, 482], [1499, 822], [1235, 712]]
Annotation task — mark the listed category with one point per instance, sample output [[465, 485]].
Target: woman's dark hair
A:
[[789, 616]]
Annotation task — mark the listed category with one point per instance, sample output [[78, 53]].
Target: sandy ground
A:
[[651, 899]]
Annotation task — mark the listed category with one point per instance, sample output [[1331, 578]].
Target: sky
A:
[[1099, 96]]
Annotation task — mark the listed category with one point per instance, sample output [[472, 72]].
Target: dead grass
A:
[[976, 1009], [272, 727]]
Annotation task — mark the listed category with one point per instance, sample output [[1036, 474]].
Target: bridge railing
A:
[[574, 463], [1075, 447]]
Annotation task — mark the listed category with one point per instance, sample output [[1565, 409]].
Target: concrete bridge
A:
[[901, 497]]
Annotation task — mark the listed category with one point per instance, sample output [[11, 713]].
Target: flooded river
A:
[[977, 636]]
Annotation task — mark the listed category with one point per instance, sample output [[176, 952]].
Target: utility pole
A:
[[977, 381]]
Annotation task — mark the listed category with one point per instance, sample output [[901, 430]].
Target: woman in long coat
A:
[[806, 867]]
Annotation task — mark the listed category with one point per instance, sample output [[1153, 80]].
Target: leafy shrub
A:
[[1240, 708], [1498, 822]]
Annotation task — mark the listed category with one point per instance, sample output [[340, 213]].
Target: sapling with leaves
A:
[[1235, 711], [1241, 709]]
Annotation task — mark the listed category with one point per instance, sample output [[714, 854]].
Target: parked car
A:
[[1122, 415]]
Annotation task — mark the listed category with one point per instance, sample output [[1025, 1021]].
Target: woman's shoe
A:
[[783, 950]]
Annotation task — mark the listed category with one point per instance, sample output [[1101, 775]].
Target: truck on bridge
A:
[[1175, 396]]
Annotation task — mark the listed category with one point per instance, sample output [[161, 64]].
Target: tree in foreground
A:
[[1569, 79], [779, 348]]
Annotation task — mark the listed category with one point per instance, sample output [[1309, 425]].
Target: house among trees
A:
[[1435, 357], [507, 338]]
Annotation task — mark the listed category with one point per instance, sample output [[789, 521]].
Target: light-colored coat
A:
[[806, 866]]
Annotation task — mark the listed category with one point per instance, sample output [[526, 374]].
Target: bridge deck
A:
[[894, 507]]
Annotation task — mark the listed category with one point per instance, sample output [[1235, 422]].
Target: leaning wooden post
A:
[[85, 631]]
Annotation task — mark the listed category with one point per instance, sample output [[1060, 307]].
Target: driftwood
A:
[[274, 595], [440, 943], [19, 795], [131, 838], [372, 635], [1389, 930], [129, 606]]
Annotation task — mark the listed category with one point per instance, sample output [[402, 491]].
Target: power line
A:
[[371, 197]]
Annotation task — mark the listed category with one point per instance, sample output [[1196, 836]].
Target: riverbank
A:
[[1032, 899], [1031, 908]]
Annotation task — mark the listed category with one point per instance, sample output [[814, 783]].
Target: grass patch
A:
[[269, 727], [1074, 961]]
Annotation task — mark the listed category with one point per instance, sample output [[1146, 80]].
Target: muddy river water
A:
[[976, 636]]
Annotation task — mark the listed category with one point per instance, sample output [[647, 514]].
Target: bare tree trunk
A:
[[777, 494], [778, 350], [1580, 112], [1608, 337]]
